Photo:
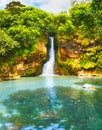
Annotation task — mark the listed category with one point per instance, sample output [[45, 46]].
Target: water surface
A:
[[51, 103]]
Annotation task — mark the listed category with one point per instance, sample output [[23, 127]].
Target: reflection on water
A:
[[51, 93], [55, 107]]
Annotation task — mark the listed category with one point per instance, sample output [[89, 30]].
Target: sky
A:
[[53, 6]]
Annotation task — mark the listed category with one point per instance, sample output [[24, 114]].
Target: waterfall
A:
[[48, 69], [48, 72]]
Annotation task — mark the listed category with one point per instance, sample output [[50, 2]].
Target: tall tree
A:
[[14, 7], [6, 43], [97, 5]]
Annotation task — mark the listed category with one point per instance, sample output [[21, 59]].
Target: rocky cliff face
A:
[[25, 65], [77, 58], [67, 53], [72, 58]]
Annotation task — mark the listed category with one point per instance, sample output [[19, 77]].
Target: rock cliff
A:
[[30, 65], [79, 57]]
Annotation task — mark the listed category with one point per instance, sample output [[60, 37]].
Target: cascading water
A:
[[48, 69], [48, 72]]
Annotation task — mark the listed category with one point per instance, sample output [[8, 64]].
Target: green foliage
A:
[[78, 13], [24, 26], [92, 58], [25, 36], [69, 66], [97, 5], [64, 27], [7, 44], [5, 19], [99, 61], [14, 7], [96, 8], [88, 20], [83, 19]]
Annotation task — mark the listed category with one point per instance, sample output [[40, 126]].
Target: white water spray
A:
[[48, 72], [48, 69]]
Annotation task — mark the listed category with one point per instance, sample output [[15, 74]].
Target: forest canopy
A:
[[22, 27], [27, 24]]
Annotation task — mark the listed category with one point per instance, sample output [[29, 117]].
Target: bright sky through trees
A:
[[54, 6]]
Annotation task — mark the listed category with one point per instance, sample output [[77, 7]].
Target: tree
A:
[[14, 7], [97, 5], [7, 44], [64, 27], [84, 20], [5, 19]]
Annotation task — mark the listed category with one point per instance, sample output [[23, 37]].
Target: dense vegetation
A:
[[21, 28], [83, 27], [25, 25]]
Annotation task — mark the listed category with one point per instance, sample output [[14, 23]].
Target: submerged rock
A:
[[89, 87]]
